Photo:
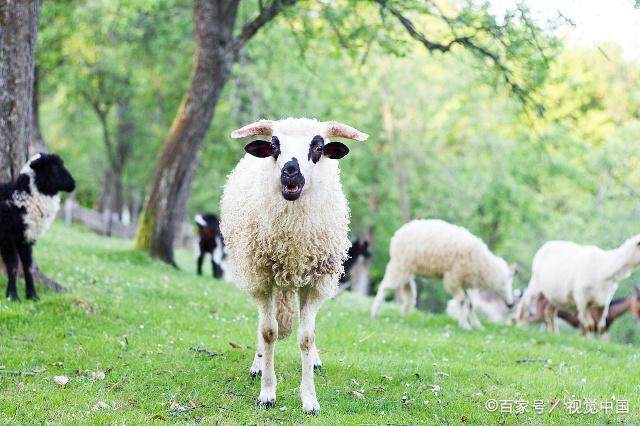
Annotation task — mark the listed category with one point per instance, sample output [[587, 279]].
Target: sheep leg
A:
[[454, 288], [317, 363], [602, 322], [256, 366], [409, 296], [267, 334], [550, 312], [310, 302], [10, 260], [393, 278], [26, 257], [473, 316], [586, 321], [200, 260], [528, 297]]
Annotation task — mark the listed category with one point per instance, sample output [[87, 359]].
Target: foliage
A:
[[137, 321], [470, 152]]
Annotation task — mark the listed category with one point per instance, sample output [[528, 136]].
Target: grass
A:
[[137, 321]]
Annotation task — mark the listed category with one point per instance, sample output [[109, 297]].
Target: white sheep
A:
[[570, 275], [484, 302], [437, 249], [285, 223]]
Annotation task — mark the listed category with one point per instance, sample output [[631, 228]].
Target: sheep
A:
[[437, 249], [27, 207], [485, 302], [358, 253], [210, 243], [285, 221], [577, 276]]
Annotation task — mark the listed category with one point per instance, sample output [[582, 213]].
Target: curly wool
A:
[[286, 244], [432, 248]]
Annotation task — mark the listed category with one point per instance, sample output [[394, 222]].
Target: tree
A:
[[217, 49], [18, 35], [473, 29]]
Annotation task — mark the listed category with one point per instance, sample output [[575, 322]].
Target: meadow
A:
[[131, 335]]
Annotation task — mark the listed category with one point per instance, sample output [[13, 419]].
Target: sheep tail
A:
[[286, 311]]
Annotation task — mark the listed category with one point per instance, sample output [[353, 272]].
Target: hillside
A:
[[137, 321]]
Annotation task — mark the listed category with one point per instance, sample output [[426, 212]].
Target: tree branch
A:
[[265, 16], [466, 41]]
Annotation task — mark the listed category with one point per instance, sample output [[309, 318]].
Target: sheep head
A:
[[298, 147]]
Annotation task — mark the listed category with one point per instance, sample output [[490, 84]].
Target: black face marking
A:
[[335, 150], [51, 176], [291, 180], [259, 148], [275, 147], [316, 148]]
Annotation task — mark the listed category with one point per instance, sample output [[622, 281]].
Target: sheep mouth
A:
[[292, 188]]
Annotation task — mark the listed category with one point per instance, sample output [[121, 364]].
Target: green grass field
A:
[[137, 321]]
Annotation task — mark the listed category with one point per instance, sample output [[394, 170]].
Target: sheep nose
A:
[[290, 169], [510, 305]]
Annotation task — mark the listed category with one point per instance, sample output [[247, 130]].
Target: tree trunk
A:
[[18, 33], [37, 141], [387, 120], [171, 182]]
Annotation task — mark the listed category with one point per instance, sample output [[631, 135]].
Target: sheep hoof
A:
[[33, 297], [14, 298], [317, 367], [255, 374], [265, 404], [311, 407]]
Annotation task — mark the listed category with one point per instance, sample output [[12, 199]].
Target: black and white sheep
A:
[[285, 222], [358, 252], [27, 208], [210, 243]]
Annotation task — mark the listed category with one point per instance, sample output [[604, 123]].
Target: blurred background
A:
[[517, 120]]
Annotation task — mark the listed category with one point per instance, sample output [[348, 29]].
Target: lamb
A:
[[358, 253], [485, 302], [210, 243], [576, 276], [437, 249], [27, 208], [285, 222]]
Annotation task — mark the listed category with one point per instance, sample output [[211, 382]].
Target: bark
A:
[[398, 167], [387, 121], [18, 35], [38, 143], [216, 51]]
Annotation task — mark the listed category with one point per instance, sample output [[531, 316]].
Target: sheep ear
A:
[[36, 162], [339, 130], [260, 149], [259, 128], [335, 150]]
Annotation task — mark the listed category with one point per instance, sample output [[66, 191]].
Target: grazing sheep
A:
[[210, 243], [484, 302], [570, 275], [437, 249], [285, 223], [27, 208]]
